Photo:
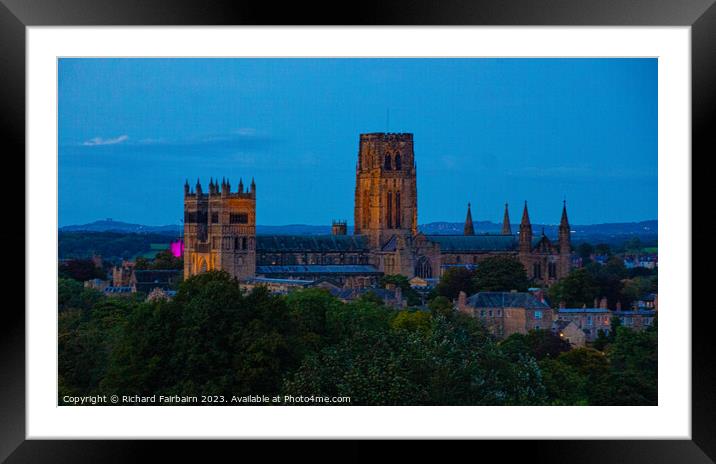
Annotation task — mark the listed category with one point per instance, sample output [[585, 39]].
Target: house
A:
[[638, 319], [589, 320], [505, 313], [275, 286], [570, 332]]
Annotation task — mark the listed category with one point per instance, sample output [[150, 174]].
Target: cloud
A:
[[100, 141]]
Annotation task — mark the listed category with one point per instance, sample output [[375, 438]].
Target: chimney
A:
[[619, 305], [562, 305], [603, 303], [596, 302], [398, 295]]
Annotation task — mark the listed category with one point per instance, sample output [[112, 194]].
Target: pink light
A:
[[177, 248]]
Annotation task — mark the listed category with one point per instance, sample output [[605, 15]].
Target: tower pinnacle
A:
[[506, 227], [469, 228]]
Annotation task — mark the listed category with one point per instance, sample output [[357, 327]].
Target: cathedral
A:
[[220, 231]]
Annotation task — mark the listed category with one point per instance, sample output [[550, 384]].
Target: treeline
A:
[[213, 339], [110, 245]]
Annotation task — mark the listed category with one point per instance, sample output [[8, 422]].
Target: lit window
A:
[[538, 314]]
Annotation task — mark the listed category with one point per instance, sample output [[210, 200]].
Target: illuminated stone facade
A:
[[220, 229]]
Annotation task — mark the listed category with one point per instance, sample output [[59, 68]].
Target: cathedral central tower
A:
[[386, 200]]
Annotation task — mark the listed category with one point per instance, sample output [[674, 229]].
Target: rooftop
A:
[[319, 269], [310, 243], [505, 300]]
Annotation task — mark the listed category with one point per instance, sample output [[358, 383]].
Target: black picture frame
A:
[[16, 15]]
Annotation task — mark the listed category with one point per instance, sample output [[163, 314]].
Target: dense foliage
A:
[[110, 245], [213, 339]]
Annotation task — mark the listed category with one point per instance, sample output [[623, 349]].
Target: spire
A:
[[241, 185], [564, 222], [253, 185], [469, 229], [198, 186], [186, 187], [506, 228], [525, 216]]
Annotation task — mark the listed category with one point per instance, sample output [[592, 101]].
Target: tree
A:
[[500, 274], [575, 290], [441, 305], [455, 280], [166, 260], [539, 344], [603, 249], [81, 270]]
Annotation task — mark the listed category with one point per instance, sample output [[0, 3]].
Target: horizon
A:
[[487, 131]]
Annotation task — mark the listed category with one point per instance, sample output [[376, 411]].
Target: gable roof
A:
[[506, 300], [311, 243], [475, 243]]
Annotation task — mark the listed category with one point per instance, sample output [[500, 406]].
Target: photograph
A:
[[357, 231]]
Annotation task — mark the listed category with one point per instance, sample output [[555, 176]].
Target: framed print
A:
[[446, 216]]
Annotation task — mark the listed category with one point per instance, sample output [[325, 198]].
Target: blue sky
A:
[[486, 131]]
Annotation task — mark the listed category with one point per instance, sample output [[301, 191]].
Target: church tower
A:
[[220, 229], [469, 227], [386, 200]]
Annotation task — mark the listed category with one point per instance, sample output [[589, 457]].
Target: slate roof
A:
[[638, 312], [505, 300], [319, 269], [311, 243], [353, 293], [157, 276], [474, 243], [583, 310]]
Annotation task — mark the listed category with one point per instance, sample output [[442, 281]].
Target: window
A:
[[552, 270], [482, 312], [397, 209], [390, 210], [243, 243], [538, 314], [238, 218], [398, 163], [537, 271], [387, 164], [489, 313], [214, 218]]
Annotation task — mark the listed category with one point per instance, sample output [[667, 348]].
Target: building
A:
[[570, 332], [275, 286], [639, 319], [589, 320], [220, 230], [506, 313]]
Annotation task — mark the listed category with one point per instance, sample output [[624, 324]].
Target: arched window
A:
[[365, 212], [390, 210], [397, 208], [423, 269], [398, 164], [387, 165]]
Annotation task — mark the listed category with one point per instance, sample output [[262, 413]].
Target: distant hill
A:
[[589, 232], [109, 225]]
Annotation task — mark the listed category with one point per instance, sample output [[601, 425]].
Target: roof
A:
[[352, 293], [268, 280], [156, 276], [474, 243], [117, 290], [638, 312], [506, 300], [311, 243], [319, 269], [561, 324], [583, 310]]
